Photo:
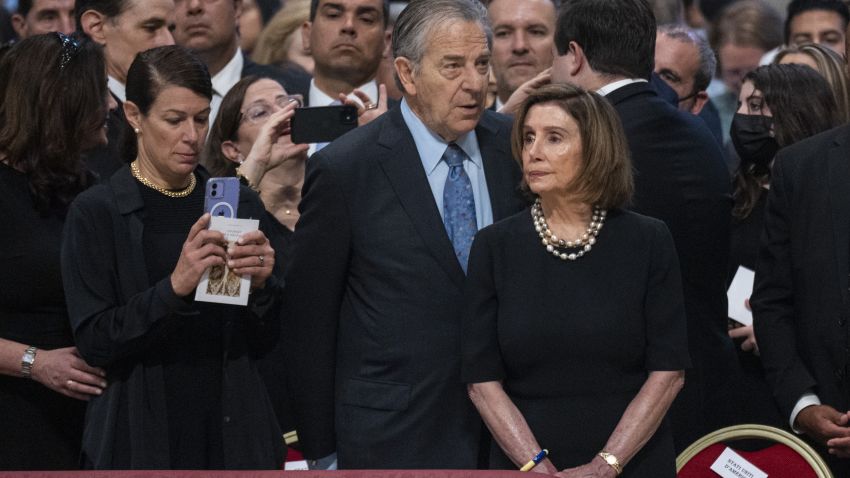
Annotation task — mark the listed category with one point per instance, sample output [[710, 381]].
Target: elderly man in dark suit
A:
[[680, 177], [801, 303], [374, 288]]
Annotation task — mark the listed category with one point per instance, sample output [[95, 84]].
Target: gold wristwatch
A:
[[612, 461]]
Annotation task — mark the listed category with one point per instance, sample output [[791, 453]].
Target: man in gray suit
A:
[[374, 287]]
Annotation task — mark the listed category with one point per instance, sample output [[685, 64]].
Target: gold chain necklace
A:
[[134, 168]]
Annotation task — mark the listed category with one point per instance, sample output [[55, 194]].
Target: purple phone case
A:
[[221, 197]]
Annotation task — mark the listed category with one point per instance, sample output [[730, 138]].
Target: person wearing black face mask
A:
[[772, 114]]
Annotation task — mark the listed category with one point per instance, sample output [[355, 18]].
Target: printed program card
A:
[[739, 292], [219, 283], [732, 465]]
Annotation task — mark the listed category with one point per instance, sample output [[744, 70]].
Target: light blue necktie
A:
[[459, 205]]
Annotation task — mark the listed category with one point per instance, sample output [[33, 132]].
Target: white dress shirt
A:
[[117, 88], [224, 80], [615, 85]]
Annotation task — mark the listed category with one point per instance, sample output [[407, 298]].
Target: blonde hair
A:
[[831, 67], [274, 41]]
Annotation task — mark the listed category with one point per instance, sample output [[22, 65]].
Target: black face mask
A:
[[752, 139]]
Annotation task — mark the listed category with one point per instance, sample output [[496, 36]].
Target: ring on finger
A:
[[262, 260], [370, 106]]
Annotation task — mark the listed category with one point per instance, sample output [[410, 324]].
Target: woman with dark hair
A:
[[184, 390], [779, 105], [50, 111], [559, 351], [250, 139], [124, 28]]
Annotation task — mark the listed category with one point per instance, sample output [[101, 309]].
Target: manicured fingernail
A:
[[229, 263], [103, 384]]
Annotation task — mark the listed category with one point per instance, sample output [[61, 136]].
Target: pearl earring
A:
[[137, 130]]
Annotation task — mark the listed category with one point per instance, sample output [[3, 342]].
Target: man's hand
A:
[[828, 426]]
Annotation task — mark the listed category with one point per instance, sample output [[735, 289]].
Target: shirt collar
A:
[[431, 147], [117, 88], [319, 98], [605, 90], [224, 80]]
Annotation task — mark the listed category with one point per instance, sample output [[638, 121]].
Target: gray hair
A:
[[421, 17], [707, 60]]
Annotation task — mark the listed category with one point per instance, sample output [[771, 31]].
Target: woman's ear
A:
[[231, 152], [133, 115]]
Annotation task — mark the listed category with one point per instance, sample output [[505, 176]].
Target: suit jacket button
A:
[[842, 321], [226, 419]]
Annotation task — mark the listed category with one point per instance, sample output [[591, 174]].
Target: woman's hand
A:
[[65, 372], [746, 332], [203, 249], [273, 145], [367, 111], [521, 94], [252, 255], [597, 468]]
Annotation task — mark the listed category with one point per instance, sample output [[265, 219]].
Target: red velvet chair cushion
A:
[[778, 461]]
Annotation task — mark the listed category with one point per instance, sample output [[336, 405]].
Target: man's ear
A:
[[92, 22], [306, 28], [231, 152], [19, 24], [237, 5], [700, 100], [577, 60], [404, 70]]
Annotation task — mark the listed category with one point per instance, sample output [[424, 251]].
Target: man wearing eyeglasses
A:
[[34, 17]]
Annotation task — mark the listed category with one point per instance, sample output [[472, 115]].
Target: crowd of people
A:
[[518, 258]]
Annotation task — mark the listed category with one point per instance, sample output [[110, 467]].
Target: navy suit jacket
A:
[[373, 302], [681, 178]]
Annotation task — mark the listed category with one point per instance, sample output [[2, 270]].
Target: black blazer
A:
[[680, 178], [800, 301], [373, 302], [117, 317]]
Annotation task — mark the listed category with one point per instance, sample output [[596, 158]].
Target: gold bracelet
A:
[[612, 461], [242, 177]]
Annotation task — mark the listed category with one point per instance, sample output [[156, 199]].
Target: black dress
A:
[[760, 406], [573, 342], [41, 429]]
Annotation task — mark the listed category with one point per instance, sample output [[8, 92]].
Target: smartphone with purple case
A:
[[221, 197]]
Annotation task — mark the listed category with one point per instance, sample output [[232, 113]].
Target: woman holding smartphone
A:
[[184, 391]]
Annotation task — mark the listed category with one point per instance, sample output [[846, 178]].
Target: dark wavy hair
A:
[[53, 104], [225, 127], [802, 104], [155, 69]]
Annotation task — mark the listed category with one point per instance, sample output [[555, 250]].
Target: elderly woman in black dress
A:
[[184, 391], [51, 109], [574, 334]]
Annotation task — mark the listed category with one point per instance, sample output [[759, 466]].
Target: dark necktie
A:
[[459, 205]]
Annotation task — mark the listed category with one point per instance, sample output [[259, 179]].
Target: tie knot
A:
[[454, 156]]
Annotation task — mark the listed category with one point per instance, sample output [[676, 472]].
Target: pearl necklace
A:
[[553, 243], [134, 168]]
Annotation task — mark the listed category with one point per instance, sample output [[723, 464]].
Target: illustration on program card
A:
[[739, 293], [219, 283]]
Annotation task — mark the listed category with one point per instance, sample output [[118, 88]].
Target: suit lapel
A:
[[493, 154], [839, 199], [403, 168]]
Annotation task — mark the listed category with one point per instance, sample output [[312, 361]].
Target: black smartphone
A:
[[221, 197], [322, 124]]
